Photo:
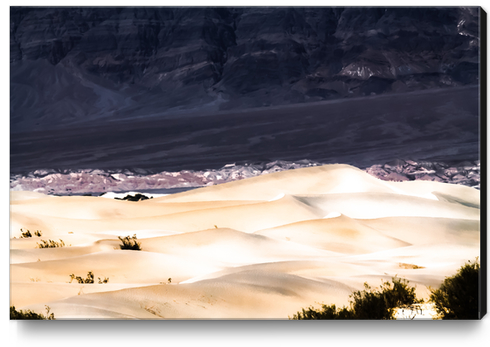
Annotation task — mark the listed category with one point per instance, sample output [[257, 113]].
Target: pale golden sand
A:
[[258, 248]]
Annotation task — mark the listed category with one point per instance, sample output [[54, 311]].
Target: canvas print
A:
[[282, 163]]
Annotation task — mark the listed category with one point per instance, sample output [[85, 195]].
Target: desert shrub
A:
[[367, 304], [136, 197], [457, 297], [130, 243], [89, 279], [77, 278], [30, 315], [326, 312], [50, 244], [102, 281], [381, 304], [25, 234]]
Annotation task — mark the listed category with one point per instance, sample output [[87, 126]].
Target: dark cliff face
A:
[[71, 65]]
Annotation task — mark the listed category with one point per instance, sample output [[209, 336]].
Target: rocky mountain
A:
[[74, 65]]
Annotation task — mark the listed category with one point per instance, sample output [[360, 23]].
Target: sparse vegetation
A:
[[50, 244], [457, 297], [89, 279], [136, 197], [30, 315], [102, 281], [367, 304], [409, 266], [25, 234], [130, 243], [326, 312], [375, 304]]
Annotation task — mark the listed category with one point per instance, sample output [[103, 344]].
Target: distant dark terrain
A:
[[440, 125], [198, 88], [70, 65]]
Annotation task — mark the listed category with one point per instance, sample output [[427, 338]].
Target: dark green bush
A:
[[375, 304], [367, 304], [130, 243], [30, 315], [457, 297]]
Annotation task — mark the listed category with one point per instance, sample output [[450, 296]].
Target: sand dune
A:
[[247, 217], [33, 293], [341, 234], [315, 180], [121, 266], [247, 294], [317, 270], [231, 247], [378, 205], [459, 193], [258, 248], [414, 230], [77, 207]]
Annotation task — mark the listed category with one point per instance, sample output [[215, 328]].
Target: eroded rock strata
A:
[[71, 65]]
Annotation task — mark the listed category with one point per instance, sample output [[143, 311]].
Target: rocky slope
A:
[[71, 65]]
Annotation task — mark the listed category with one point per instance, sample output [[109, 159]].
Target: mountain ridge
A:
[[75, 64]]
